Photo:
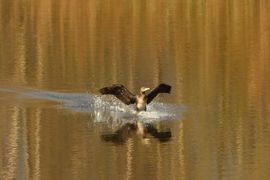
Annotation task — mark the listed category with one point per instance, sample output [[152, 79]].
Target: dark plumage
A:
[[122, 93], [162, 88]]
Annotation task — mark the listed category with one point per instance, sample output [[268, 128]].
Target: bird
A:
[[140, 100]]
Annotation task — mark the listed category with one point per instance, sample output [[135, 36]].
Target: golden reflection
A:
[[159, 162], [40, 64], [76, 153], [114, 157], [129, 156], [12, 146], [37, 140], [215, 55], [239, 143], [20, 59], [181, 151]]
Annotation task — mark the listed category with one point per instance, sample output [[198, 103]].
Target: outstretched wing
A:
[[121, 92], [162, 88]]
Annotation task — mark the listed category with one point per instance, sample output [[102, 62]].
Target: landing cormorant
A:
[[141, 100]]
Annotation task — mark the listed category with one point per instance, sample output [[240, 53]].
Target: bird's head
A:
[[143, 90]]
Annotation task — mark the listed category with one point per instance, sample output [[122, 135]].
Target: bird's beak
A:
[[146, 89]]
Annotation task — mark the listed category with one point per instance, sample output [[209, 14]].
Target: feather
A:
[[162, 88], [121, 92]]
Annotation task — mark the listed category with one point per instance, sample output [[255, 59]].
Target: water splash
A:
[[106, 109]]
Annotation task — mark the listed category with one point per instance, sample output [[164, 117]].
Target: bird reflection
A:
[[143, 130]]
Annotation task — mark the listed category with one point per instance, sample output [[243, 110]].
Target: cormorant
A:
[[141, 100]]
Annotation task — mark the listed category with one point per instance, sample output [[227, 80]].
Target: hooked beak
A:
[[146, 89]]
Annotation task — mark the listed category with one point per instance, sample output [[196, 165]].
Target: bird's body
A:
[[140, 100], [140, 103]]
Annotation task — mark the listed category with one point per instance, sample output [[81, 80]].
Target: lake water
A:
[[55, 55]]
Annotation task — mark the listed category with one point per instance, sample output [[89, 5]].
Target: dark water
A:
[[55, 55]]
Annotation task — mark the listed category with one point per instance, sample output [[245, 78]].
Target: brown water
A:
[[55, 55]]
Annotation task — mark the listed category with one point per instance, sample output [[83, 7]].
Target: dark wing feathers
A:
[[162, 88], [121, 92]]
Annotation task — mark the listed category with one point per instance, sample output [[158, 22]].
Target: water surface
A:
[[55, 55]]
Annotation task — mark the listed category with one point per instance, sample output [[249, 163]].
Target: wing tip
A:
[[166, 87]]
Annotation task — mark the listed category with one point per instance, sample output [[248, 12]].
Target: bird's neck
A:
[[142, 95], [141, 102]]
